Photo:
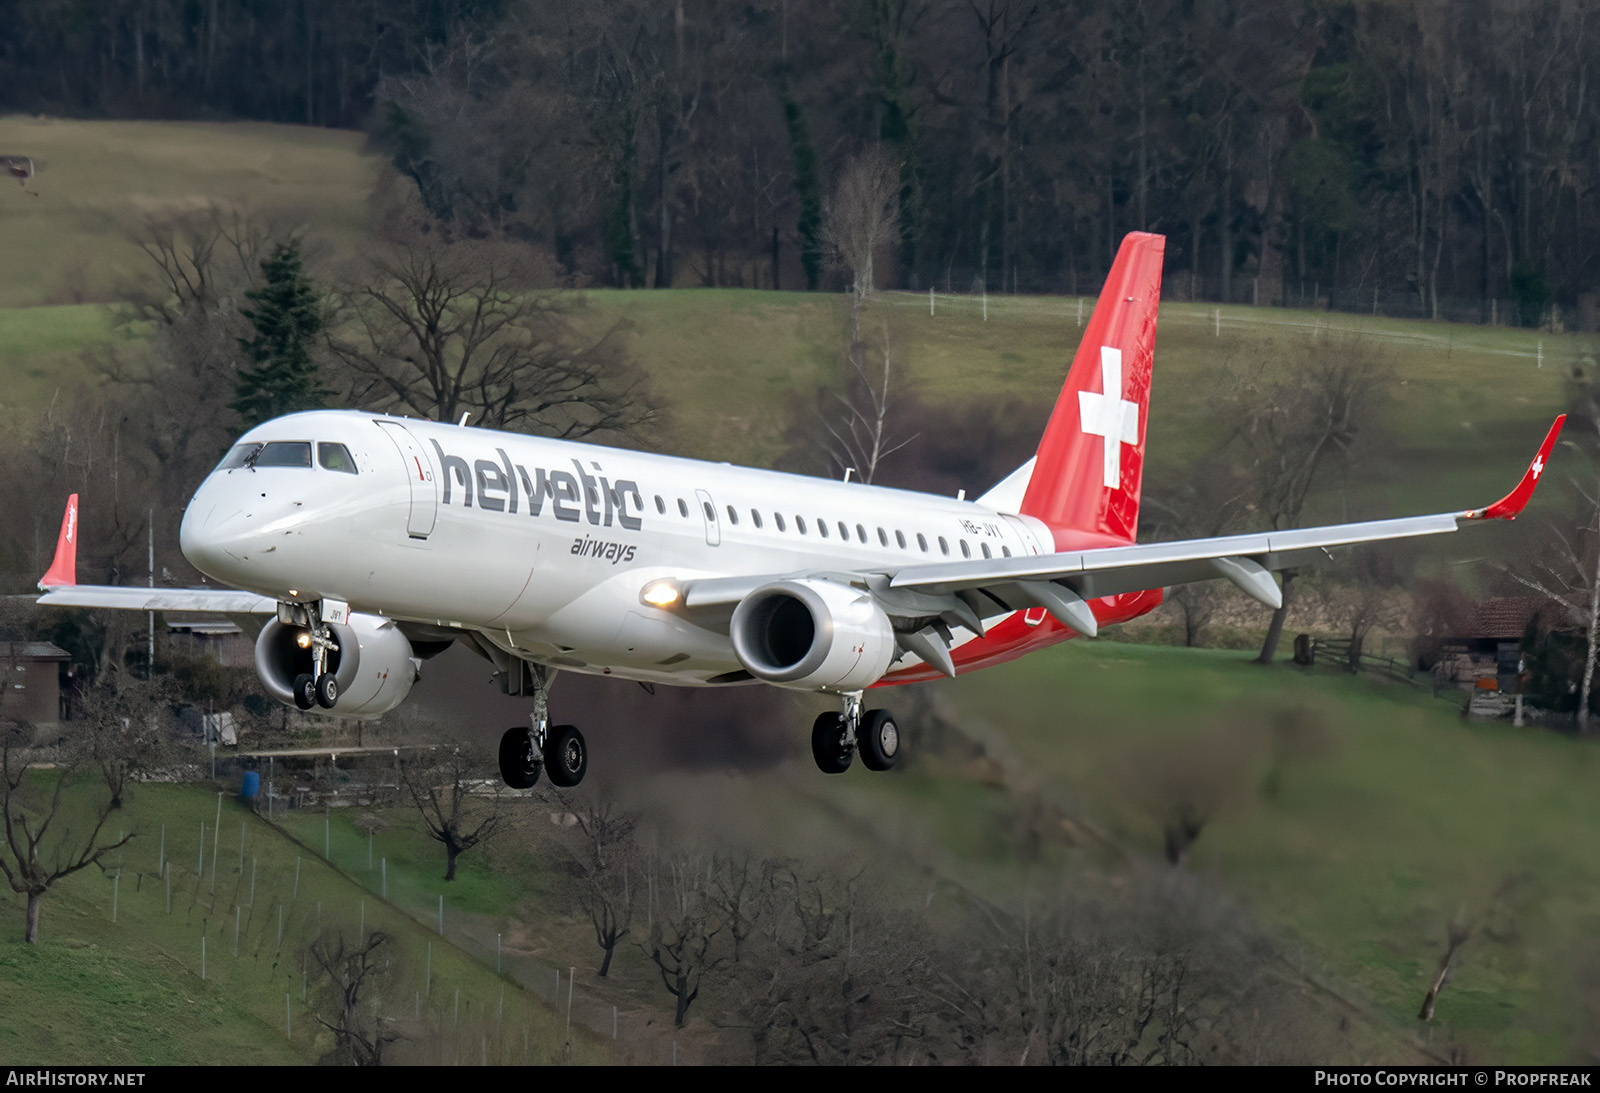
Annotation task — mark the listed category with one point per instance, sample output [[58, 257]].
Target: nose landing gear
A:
[[318, 687]]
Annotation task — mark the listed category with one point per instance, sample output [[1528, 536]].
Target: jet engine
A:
[[813, 635], [374, 664]]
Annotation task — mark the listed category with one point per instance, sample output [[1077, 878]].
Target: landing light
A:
[[660, 593], [303, 639]]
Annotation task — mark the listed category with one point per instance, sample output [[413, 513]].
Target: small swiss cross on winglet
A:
[[1512, 503]]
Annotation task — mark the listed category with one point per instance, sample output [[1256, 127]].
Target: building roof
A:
[[32, 650], [1506, 616]]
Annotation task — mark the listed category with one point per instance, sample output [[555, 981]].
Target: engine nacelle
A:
[[374, 664], [813, 635]]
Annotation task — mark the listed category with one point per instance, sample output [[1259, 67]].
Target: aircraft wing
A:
[[969, 591], [221, 601]]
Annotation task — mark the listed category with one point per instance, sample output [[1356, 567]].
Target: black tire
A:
[[305, 691], [327, 691], [879, 740], [827, 744], [566, 756], [519, 769]]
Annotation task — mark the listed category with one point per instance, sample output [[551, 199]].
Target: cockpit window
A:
[[335, 457], [238, 456], [279, 453], [284, 453]]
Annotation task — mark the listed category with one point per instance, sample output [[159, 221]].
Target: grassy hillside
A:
[[99, 183], [131, 992], [1357, 819]]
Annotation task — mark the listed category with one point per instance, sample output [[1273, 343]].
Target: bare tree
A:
[[1457, 935], [862, 217], [845, 976], [124, 728], [53, 823], [440, 329], [1568, 572], [201, 259], [351, 972], [858, 417], [603, 820], [608, 856], [1295, 421], [460, 805], [682, 932]]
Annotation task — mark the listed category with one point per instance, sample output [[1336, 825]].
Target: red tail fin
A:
[[64, 569], [1090, 463]]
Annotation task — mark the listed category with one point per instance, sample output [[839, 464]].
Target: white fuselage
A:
[[544, 546]]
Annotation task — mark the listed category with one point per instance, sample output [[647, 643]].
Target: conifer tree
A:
[[287, 316]]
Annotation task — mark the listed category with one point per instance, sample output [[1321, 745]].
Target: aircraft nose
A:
[[198, 538], [213, 534]]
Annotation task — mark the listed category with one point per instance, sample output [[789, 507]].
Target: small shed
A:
[[210, 635], [1483, 651], [37, 675]]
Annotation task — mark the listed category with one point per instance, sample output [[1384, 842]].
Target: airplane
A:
[[362, 544]]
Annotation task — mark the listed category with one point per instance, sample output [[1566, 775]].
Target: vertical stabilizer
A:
[[64, 568], [1090, 464]]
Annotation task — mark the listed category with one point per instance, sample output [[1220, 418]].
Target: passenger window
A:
[[922, 542], [900, 537], [844, 532], [756, 517], [986, 552], [711, 513], [335, 457], [966, 551], [733, 516], [661, 506], [822, 528], [1006, 551], [944, 547], [800, 524], [861, 533], [883, 537], [683, 508], [778, 516]]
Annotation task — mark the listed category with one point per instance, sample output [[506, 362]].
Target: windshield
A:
[[278, 453]]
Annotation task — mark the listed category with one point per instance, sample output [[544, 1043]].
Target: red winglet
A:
[[63, 570], [1512, 503]]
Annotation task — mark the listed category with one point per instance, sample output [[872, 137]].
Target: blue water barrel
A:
[[251, 785]]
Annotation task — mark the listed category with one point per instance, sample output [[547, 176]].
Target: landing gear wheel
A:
[[305, 691], [519, 766], [828, 748], [327, 691], [879, 740], [566, 756]]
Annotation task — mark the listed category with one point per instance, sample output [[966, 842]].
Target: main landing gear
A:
[[560, 749], [836, 737], [318, 687]]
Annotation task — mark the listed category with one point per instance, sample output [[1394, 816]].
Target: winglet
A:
[[1512, 503], [63, 571]]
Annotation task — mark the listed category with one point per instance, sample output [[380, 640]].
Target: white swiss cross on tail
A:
[[1109, 415]]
